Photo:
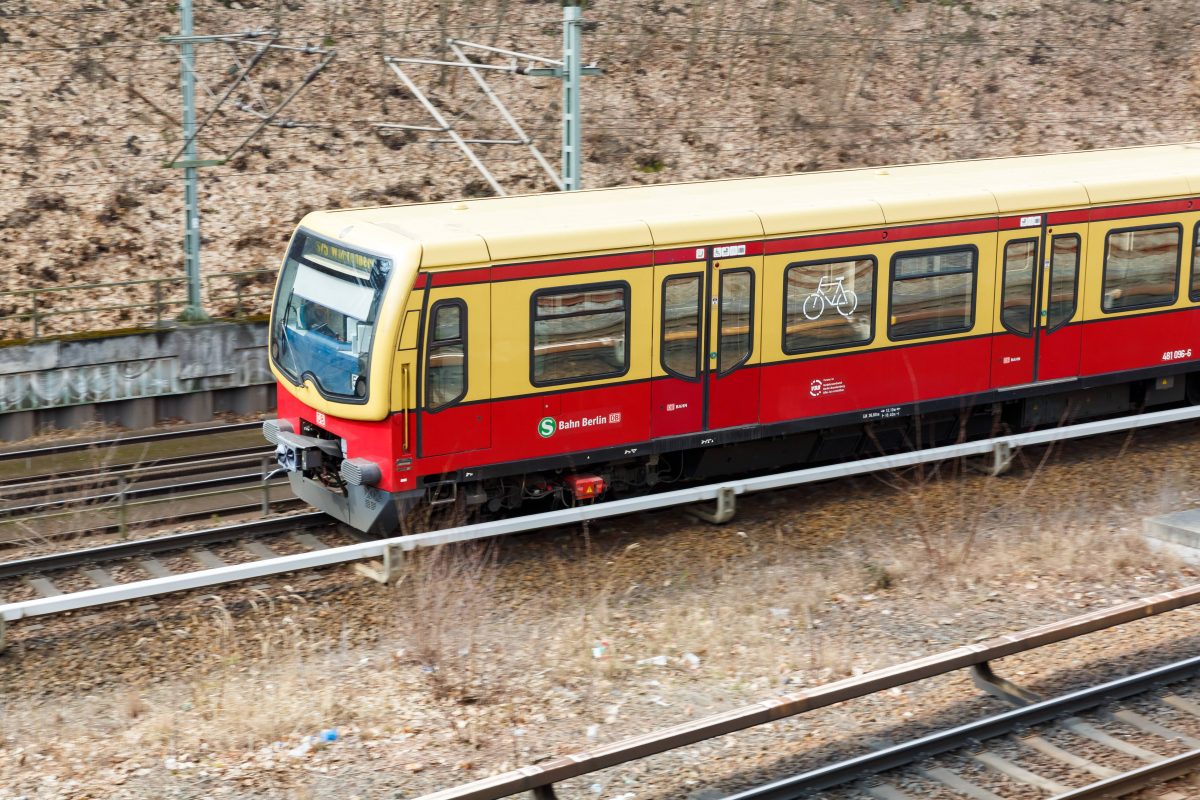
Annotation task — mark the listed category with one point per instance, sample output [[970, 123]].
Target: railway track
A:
[[171, 556], [1103, 741], [1106, 740], [132, 440], [98, 590], [86, 488]]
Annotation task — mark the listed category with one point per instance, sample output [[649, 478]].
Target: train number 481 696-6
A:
[[1176, 355]]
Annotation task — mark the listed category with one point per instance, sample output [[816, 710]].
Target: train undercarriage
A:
[[338, 487]]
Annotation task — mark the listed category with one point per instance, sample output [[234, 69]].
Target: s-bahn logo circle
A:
[[546, 427]]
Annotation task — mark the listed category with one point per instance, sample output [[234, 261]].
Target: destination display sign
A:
[[360, 262]]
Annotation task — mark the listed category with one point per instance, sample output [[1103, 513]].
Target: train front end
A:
[[335, 325]]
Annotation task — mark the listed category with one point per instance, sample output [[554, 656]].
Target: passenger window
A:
[[1141, 267], [828, 304], [446, 370], [932, 293], [736, 319], [1064, 280], [580, 333], [1195, 292], [1016, 299], [681, 326]]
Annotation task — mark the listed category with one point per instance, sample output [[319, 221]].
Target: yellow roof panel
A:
[[554, 224], [1030, 193], [715, 226], [442, 244], [789, 215]]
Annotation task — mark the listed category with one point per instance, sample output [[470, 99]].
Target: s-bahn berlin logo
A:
[[547, 426]]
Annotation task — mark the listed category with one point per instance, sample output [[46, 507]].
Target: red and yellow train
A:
[[561, 346]]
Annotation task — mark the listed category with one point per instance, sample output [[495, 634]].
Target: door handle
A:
[[404, 401]]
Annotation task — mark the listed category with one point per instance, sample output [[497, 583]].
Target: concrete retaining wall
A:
[[137, 380]]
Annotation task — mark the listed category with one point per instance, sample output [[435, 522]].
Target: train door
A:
[[1039, 273], [455, 371], [732, 316], [1058, 340], [677, 398]]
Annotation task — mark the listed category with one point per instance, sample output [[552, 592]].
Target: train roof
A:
[[664, 215]]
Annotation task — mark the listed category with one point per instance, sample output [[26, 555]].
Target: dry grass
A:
[[485, 649]]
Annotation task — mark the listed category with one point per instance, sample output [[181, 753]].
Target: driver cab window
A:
[[446, 370]]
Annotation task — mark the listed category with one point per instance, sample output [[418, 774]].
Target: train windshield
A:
[[325, 312]]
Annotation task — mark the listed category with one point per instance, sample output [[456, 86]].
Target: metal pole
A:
[[266, 488], [191, 189], [445, 126], [122, 512], [512, 122], [572, 63]]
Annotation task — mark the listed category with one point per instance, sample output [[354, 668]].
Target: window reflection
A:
[[446, 376], [681, 325], [1064, 271], [932, 293], [736, 318], [829, 304], [1140, 268], [579, 334], [1016, 300]]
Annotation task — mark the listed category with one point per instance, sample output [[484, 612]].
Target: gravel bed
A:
[[33, 548], [126, 572], [1037, 763], [1135, 736], [1086, 748], [485, 659], [232, 553], [16, 591]]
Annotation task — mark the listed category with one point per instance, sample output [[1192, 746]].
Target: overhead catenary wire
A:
[[381, 167], [550, 130], [600, 32], [306, 36], [605, 29]]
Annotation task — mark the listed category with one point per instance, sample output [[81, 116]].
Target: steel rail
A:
[[843, 772], [1141, 778], [540, 776], [121, 441], [159, 544], [175, 518], [172, 491], [171, 466], [722, 491]]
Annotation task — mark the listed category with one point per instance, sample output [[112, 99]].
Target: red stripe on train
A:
[[851, 238]]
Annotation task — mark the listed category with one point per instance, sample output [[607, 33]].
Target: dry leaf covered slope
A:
[[89, 107]]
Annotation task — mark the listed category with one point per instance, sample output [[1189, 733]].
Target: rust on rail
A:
[[548, 773]]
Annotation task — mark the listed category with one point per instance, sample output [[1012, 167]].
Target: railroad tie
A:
[[1135, 720], [959, 784], [1182, 704], [1089, 731], [258, 549], [155, 568], [207, 558], [885, 791], [44, 586], [1046, 748], [1019, 773], [100, 577], [310, 541]]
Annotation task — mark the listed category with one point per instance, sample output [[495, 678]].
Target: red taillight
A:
[[585, 487]]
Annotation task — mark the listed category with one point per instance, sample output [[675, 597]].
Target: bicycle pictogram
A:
[[831, 293]]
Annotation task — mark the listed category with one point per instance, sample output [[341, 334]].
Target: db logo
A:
[[814, 388], [546, 427], [321, 419]]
